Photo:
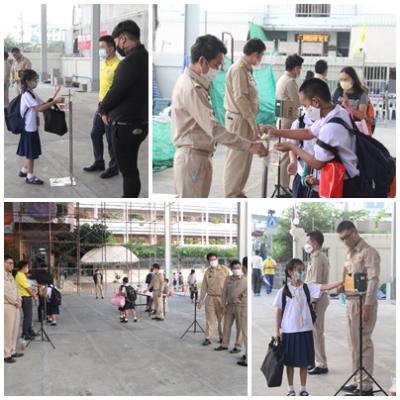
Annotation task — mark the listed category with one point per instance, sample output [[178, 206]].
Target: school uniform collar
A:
[[198, 79], [290, 75], [246, 64]]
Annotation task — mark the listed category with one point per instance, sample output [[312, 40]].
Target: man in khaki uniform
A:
[[211, 292], [157, 283], [12, 305], [19, 64], [361, 257], [241, 104], [287, 89], [231, 300], [195, 129], [318, 272], [243, 315]]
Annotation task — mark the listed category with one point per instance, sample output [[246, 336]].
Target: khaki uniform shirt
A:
[[11, 294], [213, 281], [157, 282], [18, 66], [193, 121], [364, 258], [318, 270], [241, 96], [287, 89], [235, 288]]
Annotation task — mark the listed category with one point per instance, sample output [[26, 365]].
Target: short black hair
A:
[[315, 87], [6, 55], [317, 236], [292, 61], [321, 66], [257, 252], [125, 279], [21, 264], [254, 46], [7, 257], [127, 27], [309, 75], [15, 50], [209, 255], [207, 46], [108, 40], [234, 262], [244, 262], [192, 271], [344, 226], [156, 265]]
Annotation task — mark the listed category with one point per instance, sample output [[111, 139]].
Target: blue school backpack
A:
[[376, 165], [286, 293], [14, 121]]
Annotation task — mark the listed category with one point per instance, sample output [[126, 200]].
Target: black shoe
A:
[[33, 181], [349, 388], [17, 355], [310, 367], [357, 392], [220, 348], [96, 297], [29, 338], [102, 297], [243, 363], [108, 173], [304, 393], [34, 334], [318, 371], [22, 174], [235, 350], [94, 167], [206, 342], [9, 360]]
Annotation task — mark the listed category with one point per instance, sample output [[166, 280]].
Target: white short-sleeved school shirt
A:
[[297, 315], [337, 136], [28, 102]]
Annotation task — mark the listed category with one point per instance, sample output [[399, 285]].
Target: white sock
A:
[[303, 388], [291, 388], [30, 176], [24, 170]]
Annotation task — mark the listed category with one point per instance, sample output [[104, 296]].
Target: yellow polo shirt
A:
[[107, 72], [22, 283]]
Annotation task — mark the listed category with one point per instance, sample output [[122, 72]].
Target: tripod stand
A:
[[43, 334], [194, 323], [361, 369]]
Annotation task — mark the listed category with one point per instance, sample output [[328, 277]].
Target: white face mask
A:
[[237, 272], [210, 75], [308, 248], [214, 263], [312, 113]]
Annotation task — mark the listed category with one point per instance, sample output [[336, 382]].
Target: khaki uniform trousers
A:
[[98, 287], [318, 332], [353, 318], [232, 314], [158, 304], [11, 325], [285, 123], [213, 310], [237, 162], [192, 172], [243, 325]]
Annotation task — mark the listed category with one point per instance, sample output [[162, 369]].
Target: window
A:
[[313, 10]]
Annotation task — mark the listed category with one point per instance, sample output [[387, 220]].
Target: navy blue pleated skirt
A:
[[29, 145], [298, 349]]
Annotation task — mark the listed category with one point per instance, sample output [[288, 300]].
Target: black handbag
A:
[[272, 367], [54, 121]]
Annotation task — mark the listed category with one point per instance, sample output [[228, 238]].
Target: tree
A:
[[282, 249]]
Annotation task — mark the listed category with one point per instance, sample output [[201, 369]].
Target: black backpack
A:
[[55, 296], [376, 165], [14, 121], [286, 293], [131, 294]]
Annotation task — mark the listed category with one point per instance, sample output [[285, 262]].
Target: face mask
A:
[[346, 85], [102, 54], [308, 248], [351, 241], [214, 263], [312, 113], [210, 75], [299, 276], [236, 272]]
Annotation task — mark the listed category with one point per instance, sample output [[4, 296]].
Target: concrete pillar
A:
[[94, 51], [43, 42], [391, 287], [167, 238], [192, 28], [242, 239]]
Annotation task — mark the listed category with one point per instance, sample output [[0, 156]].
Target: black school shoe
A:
[[318, 371], [34, 181], [109, 173], [357, 392], [22, 174], [206, 342], [349, 388], [243, 363], [235, 350], [94, 167], [9, 360], [17, 355]]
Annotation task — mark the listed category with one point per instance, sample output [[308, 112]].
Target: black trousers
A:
[[27, 312], [98, 130], [352, 188], [126, 141], [256, 277]]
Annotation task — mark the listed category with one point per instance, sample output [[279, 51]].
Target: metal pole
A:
[[78, 250], [167, 239], [71, 130], [43, 42]]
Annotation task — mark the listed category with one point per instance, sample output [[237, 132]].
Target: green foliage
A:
[[282, 242]]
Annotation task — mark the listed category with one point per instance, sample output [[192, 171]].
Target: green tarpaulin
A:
[[257, 32], [163, 148]]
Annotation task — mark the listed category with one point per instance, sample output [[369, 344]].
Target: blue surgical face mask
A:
[[102, 54], [299, 276]]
